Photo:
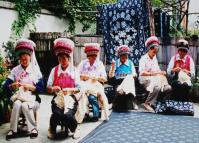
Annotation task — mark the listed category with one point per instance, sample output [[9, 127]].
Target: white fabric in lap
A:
[[184, 78], [159, 81], [128, 85]]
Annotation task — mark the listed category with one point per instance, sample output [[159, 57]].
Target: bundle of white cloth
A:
[[158, 80], [24, 96], [127, 85], [64, 101], [184, 78], [92, 87]]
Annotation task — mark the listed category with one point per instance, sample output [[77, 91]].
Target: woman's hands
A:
[[162, 73], [53, 89], [26, 87], [93, 78], [178, 69], [15, 85], [154, 73], [84, 77], [111, 72], [70, 90]]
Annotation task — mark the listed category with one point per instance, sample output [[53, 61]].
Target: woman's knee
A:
[[92, 98], [176, 84], [36, 106], [17, 104], [57, 114], [157, 88], [24, 106], [69, 116], [186, 86], [167, 88]]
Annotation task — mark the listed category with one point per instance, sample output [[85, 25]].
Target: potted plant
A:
[[5, 106]]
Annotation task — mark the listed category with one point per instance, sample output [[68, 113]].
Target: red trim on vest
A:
[[55, 74], [64, 80], [181, 64]]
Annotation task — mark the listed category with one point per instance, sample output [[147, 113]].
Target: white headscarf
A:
[[33, 63], [35, 66]]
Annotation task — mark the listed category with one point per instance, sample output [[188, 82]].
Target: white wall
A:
[[193, 7], [44, 23], [49, 23], [7, 17]]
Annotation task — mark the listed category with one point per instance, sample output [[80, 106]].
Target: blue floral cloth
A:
[[175, 107], [125, 22]]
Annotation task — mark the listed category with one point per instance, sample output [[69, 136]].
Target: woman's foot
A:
[[11, 134], [34, 133], [104, 115], [51, 134], [148, 107], [95, 119], [135, 106], [76, 134], [66, 132], [121, 91]]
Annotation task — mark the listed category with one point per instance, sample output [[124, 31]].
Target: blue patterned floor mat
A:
[[136, 127]]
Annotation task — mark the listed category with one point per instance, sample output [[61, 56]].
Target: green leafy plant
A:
[[83, 11], [3, 72], [156, 3], [5, 106], [27, 12], [10, 53]]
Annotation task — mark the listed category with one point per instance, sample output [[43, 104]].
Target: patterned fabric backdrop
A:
[[125, 22]]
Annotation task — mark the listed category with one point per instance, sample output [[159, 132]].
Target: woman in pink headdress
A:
[[63, 83], [26, 80], [121, 76], [181, 66], [93, 75], [151, 76]]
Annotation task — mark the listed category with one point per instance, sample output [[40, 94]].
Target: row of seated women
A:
[[180, 72], [75, 88]]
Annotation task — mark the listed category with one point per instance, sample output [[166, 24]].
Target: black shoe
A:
[[95, 119], [33, 134], [10, 136], [51, 134], [66, 132]]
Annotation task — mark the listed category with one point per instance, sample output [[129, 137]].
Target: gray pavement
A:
[[44, 114]]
